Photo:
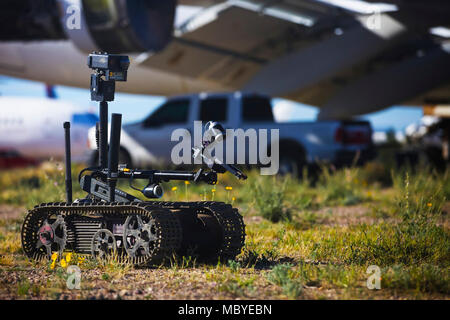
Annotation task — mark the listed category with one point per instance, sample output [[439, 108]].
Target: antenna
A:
[[68, 162]]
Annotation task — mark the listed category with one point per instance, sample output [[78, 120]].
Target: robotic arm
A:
[[215, 133]]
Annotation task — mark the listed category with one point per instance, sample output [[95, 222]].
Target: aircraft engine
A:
[[116, 26]]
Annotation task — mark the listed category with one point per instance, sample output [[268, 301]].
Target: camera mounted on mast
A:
[[108, 68]]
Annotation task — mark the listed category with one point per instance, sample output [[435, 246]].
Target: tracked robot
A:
[[112, 222]]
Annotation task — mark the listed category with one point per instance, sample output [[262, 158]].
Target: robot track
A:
[[142, 233]]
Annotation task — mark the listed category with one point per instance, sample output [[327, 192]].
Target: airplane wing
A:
[[348, 57], [230, 41], [351, 55]]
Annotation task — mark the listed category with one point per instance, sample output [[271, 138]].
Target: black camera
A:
[[111, 67]]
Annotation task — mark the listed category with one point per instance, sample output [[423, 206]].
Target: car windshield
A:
[[175, 111]]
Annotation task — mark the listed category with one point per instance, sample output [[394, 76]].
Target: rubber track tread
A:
[[168, 225]]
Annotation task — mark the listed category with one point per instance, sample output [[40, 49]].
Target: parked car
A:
[[10, 159], [148, 142]]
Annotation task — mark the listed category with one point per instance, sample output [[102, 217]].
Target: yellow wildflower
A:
[[429, 204], [213, 190], [54, 256], [186, 182], [174, 188], [69, 256], [63, 263], [228, 188]]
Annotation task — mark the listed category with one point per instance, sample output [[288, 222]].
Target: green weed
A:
[[341, 187], [270, 200], [420, 278], [282, 276]]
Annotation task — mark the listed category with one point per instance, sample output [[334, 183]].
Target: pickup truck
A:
[[148, 142]]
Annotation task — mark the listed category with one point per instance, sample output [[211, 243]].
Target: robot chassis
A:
[[111, 222]]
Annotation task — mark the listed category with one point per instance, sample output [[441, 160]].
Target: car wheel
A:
[[291, 162]]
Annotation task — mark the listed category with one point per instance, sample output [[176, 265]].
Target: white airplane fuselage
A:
[[33, 127], [61, 63]]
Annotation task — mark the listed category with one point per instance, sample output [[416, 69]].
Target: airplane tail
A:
[[50, 90]]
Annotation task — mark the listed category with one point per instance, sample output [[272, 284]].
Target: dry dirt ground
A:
[[10, 212]]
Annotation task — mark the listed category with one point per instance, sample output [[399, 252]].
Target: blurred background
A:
[[340, 62]]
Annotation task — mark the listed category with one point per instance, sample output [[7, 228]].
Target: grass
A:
[[304, 239], [281, 275], [423, 278], [340, 187], [270, 200]]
